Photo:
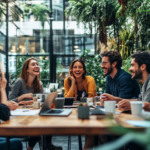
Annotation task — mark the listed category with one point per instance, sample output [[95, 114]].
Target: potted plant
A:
[[83, 111]]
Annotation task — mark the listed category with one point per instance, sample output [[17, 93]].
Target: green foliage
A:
[[91, 12], [93, 68], [40, 11], [130, 135], [126, 36], [13, 9], [127, 64]]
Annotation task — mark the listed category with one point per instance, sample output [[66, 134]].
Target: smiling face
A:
[[106, 66], [33, 68], [135, 70], [78, 70]]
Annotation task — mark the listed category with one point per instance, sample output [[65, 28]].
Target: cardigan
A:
[[20, 88], [89, 86]]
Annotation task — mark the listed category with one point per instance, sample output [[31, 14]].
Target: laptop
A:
[[46, 107]]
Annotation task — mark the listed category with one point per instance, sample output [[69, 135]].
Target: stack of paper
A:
[[24, 112]]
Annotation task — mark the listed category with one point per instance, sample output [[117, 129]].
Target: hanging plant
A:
[[96, 14], [40, 11], [13, 9]]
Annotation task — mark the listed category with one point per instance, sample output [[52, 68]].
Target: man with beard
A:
[[140, 69], [118, 82]]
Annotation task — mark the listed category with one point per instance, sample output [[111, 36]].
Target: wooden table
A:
[[71, 125]]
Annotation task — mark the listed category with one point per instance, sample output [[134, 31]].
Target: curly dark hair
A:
[[142, 58], [113, 56]]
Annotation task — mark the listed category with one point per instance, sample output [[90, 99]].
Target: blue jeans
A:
[[15, 144]]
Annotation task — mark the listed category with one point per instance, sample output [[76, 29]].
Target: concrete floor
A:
[[61, 141]]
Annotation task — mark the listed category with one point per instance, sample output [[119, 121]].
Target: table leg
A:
[[8, 143], [69, 142], [95, 140], [80, 142]]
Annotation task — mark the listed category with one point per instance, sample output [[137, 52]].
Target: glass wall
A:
[[54, 44]]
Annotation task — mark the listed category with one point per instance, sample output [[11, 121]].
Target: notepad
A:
[[139, 123], [24, 112]]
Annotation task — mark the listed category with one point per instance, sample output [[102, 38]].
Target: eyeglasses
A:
[[104, 63]]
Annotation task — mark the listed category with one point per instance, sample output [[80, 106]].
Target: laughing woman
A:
[[24, 88], [79, 85], [28, 83]]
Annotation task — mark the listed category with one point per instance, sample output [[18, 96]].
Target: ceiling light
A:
[[75, 46]]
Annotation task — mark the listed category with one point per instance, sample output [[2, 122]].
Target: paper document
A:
[[139, 123], [24, 112]]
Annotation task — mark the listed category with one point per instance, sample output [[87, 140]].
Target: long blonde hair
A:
[[24, 75]]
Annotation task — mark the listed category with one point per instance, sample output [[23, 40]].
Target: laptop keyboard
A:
[[54, 111]]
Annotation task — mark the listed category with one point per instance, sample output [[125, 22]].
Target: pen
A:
[[25, 110]]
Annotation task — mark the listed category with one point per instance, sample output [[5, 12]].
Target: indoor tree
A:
[[40, 11], [94, 14]]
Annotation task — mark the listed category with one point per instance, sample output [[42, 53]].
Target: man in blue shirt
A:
[[118, 82]]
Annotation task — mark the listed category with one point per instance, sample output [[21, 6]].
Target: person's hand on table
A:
[[26, 102], [146, 106], [124, 105], [12, 105], [105, 97]]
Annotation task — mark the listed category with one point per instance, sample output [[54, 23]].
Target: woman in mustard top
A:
[[79, 85]]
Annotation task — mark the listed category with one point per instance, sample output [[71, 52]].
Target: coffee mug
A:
[[35, 99], [89, 100], [36, 105], [136, 108], [59, 103], [110, 106]]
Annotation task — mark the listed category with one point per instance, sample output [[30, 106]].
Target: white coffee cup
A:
[[136, 108], [89, 100], [110, 106]]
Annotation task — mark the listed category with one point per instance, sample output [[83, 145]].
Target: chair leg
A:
[[8, 143], [69, 142], [80, 142], [96, 140]]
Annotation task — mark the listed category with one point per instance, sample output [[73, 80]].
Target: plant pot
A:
[[83, 112]]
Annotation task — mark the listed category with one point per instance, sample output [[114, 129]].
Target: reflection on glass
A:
[[62, 69], [3, 63], [58, 10], [90, 44], [2, 41]]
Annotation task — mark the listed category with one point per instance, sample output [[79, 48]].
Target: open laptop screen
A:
[[48, 102]]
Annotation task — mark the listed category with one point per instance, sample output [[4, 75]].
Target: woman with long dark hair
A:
[[77, 84]]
